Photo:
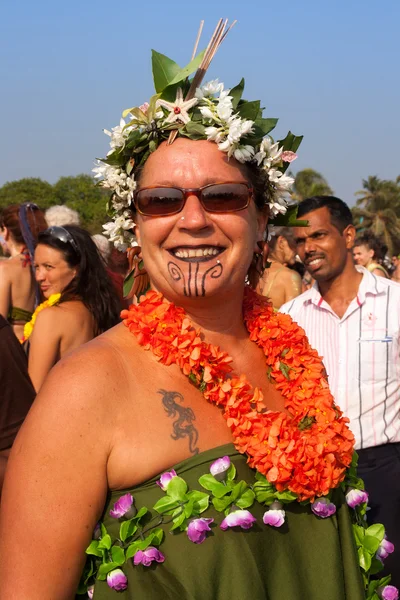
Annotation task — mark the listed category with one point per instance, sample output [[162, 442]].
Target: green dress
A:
[[307, 558]]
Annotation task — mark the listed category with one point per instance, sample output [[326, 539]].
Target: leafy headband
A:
[[183, 107]]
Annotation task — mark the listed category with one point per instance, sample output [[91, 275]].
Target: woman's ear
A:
[[5, 234]]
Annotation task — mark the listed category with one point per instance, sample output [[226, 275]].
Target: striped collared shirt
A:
[[360, 353]]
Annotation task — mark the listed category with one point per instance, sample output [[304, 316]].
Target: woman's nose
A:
[[193, 216]]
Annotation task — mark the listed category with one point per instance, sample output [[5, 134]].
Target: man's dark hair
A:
[[340, 213]]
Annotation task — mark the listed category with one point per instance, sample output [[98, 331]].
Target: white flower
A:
[[209, 89], [179, 108], [118, 135], [244, 153], [214, 134], [119, 231], [224, 106], [207, 113], [277, 206]]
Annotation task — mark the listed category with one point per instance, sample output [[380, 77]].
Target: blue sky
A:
[[328, 70]]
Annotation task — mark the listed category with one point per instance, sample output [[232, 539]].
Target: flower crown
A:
[[182, 107]]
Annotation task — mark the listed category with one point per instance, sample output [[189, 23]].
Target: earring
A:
[[137, 281]]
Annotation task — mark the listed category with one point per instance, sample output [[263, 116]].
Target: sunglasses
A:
[[62, 235], [163, 201]]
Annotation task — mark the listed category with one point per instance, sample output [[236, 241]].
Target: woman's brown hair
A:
[[10, 218]]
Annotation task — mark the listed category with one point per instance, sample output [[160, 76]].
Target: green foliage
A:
[[79, 192], [310, 183], [29, 189], [378, 209]]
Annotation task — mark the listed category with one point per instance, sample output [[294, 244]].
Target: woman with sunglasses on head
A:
[[20, 225], [82, 301], [190, 448]]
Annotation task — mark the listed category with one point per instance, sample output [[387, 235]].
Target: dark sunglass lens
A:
[[225, 197], [159, 201]]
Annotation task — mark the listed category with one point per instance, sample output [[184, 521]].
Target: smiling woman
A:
[[201, 369], [79, 299]]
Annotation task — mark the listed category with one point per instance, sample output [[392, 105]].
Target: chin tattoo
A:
[[194, 282]]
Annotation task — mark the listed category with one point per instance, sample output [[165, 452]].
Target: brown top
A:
[[16, 390]]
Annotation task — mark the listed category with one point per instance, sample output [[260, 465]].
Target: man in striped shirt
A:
[[352, 318]]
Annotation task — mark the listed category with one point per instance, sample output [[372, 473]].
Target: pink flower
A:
[[356, 497], [90, 592], [146, 557], [122, 507], [144, 107], [275, 516], [197, 530], [219, 467], [384, 549], [288, 156], [238, 518], [323, 508], [388, 592], [165, 479], [117, 580]]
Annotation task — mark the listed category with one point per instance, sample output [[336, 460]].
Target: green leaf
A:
[[265, 497], [105, 568], [376, 566], [364, 559], [239, 490], [285, 497], [210, 483], [166, 505], [220, 504], [236, 93], [188, 70], [177, 488], [359, 534], [284, 369], [231, 474], [249, 110], [164, 70], [178, 521], [200, 501], [188, 510], [371, 543], [105, 542], [194, 131], [377, 531], [93, 549], [127, 529], [267, 125], [289, 219], [118, 555], [246, 499], [128, 283]]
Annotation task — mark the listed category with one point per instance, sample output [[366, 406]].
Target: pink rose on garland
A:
[[165, 479], [123, 507], [238, 518], [197, 530], [146, 557], [117, 580]]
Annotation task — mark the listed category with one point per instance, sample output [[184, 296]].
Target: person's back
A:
[[19, 227], [277, 282]]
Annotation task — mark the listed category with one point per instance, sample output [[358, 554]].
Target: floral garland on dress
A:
[[28, 327], [300, 455], [305, 450]]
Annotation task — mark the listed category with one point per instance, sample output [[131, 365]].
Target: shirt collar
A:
[[370, 284]]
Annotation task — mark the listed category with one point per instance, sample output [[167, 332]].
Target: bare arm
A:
[[5, 289], [44, 345], [379, 272], [56, 484], [3, 464]]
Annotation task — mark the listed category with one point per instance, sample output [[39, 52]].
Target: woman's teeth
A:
[[196, 252]]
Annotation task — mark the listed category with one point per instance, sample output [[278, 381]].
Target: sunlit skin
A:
[[52, 271], [363, 255], [234, 235]]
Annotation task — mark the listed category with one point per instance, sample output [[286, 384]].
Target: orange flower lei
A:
[[306, 449]]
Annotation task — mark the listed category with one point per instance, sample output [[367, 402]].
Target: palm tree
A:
[[378, 209], [310, 183]]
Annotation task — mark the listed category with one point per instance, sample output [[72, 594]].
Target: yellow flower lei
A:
[[28, 328]]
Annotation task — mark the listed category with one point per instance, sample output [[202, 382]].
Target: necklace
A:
[[28, 327], [306, 449]]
